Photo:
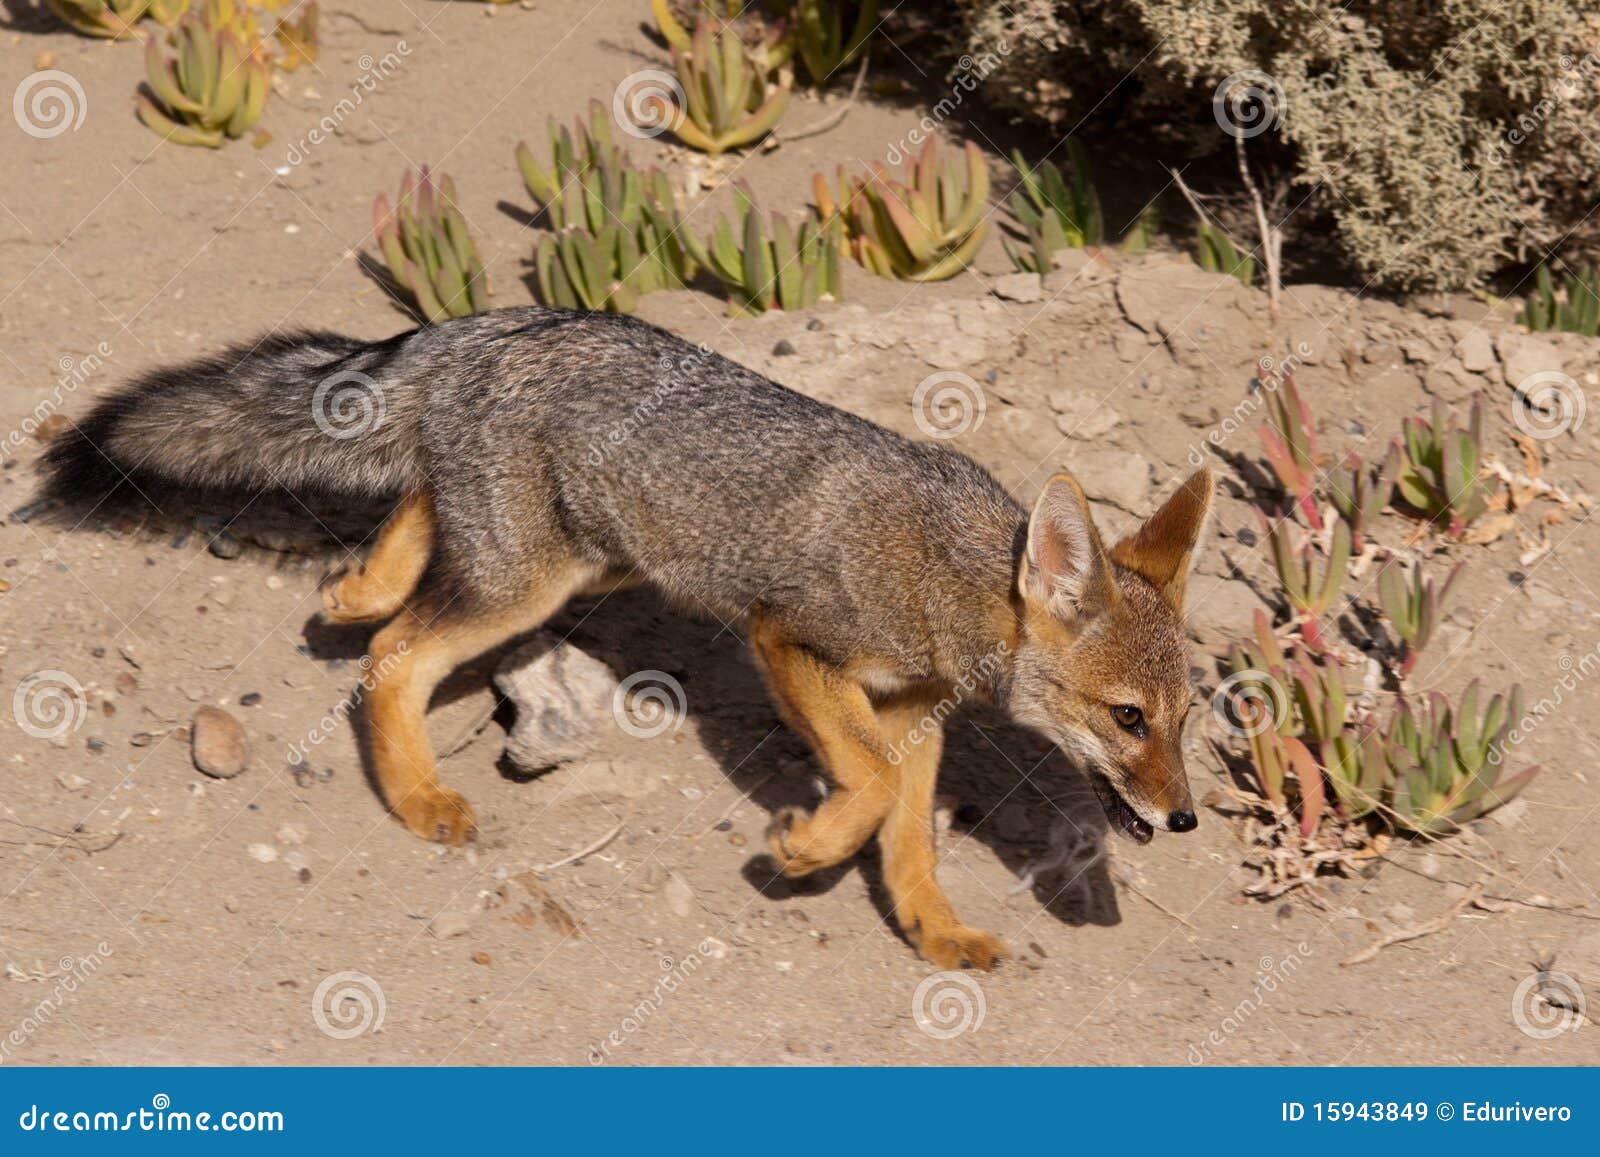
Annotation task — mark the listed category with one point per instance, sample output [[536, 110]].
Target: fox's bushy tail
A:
[[310, 413]]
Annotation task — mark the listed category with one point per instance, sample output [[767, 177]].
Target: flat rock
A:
[[1018, 287], [563, 699], [1476, 351], [1524, 355], [1082, 415], [1166, 297], [1219, 610], [1113, 476], [219, 745]]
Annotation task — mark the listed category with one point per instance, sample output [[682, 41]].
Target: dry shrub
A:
[[1447, 139]]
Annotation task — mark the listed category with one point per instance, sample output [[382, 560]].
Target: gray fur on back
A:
[[632, 447]]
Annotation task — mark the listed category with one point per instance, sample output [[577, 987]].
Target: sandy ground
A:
[[149, 914]]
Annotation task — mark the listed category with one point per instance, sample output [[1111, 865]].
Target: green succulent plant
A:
[[1289, 440], [108, 19], [1413, 608], [1576, 309], [589, 148], [1439, 468], [428, 248], [1054, 212], [1447, 762], [776, 267], [730, 97], [1359, 494], [1217, 253], [213, 85], [167, 13], [824, 42], [927, 226], [1309, 586], [577, 269]]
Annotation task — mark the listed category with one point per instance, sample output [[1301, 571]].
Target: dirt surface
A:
[[150, 914]]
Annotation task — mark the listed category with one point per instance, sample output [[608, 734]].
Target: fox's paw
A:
[[349, 596], [782, 841], [958, 946], [438, 814]]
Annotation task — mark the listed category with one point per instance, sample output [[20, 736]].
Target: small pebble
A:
[[447, 925], [262, 853], [784, 349], [481, 957], [219, 745], [1245, 536]]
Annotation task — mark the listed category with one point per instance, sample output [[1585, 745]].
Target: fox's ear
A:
[[1162, 549], [1065, 569]]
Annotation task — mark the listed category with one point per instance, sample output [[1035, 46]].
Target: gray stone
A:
[[563, 699], [1019, 287], [1219, 609], [1113, 476], [1523, 356], [1081, 414], [1476, 351], [448, 925]]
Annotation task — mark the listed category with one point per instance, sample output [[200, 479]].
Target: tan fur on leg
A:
[[377, 588]]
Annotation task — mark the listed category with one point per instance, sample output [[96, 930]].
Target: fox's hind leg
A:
[[429, 637], [833, 714], [921, 908], [377, 588]]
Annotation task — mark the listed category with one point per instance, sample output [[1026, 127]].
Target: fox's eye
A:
[[1127, 716]]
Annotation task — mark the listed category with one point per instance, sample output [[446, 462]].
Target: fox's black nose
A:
[[1182, 822]]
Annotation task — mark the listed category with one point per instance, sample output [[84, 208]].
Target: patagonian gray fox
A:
[[535, 455]]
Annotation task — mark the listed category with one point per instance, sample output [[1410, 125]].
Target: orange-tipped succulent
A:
[[210, 86], [926, 226], [429, 251]]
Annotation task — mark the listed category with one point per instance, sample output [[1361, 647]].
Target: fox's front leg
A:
[[833, 714], [921, 908]]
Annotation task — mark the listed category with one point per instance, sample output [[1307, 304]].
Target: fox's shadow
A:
[[1009, 789]]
